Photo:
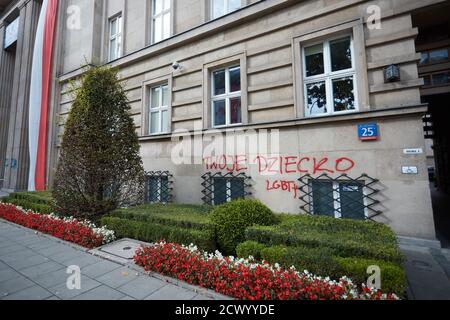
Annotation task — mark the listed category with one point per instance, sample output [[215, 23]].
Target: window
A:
[[434, 56], [161, 20], [159, 109], [115, 38], [226, 97], [437, 79], [338, 199], [329, 77], [222, 7], [228, 189], [158, 190], [11, 33]]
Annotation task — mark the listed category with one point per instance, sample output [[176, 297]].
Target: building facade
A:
[[311, 106]]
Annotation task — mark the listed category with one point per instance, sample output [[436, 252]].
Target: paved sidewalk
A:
[[428, 272], [33, 267]]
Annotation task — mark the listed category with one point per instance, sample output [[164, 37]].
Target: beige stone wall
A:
[[266, 39]]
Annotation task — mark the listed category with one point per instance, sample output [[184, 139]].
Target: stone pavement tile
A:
[[32, 293], [101, 293], [43, 243], [100, 268], [171, 292], [142, 287], [14, 285], [64, 293], [31, 261], [52, 279], [15, 248], [127, 298], [3, 266], [82, 261], [118, 277], [53, 298], [16, 255], [200, 297], [66, 254], [8, 274], [52, 250], [39, 270]]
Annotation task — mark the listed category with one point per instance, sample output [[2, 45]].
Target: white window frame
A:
[[328, 76], [226, 5], [117, 36], [160, 109], [227, 96], [161, 14]]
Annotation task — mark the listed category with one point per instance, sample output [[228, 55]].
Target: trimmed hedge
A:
[[153, 232], [40, 202], [348, 238], [323, 262], [393, 278], [231, 220]]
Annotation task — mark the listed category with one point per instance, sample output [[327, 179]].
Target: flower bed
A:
[[83, 233], [245, 279]]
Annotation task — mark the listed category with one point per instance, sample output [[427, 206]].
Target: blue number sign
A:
[[368, 132]]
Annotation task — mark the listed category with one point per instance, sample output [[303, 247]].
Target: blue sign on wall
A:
[[368, 132]]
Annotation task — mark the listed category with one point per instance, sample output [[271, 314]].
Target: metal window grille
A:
[[159, 187], [221, 188], [341, 197]]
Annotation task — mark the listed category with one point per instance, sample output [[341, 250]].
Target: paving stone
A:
[[82, 261], [53, 250], [142, 287], [52, 279], [64, 293], [118, 277], [200, 297], [100, 268], [14, 285], [171, 292], [8, 274], [127, 298], [32, 293], [101, 293], [39, 270], [17, 255], [31, 261], [53, 298], [43, 243], [66, 255], [11, 249]]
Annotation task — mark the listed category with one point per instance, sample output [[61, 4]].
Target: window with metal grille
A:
[[342, 197], [159, 187], [220, 189]]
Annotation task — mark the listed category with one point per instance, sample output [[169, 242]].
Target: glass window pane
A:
[[166, 4], [237, 188], [341, 54], [164, 189], [119, 24], [219, 82], [323, 198], [113, 27], [157, 29], [153, 189], [424, 58], [317, 98], [165, 121], [157, 6], [154, 122], [165, 97], [218, 8], [427, 80], [314, 60], [219, 113], [441, 78], [235, 110], [119, 47], [233, 5], [220, 191], [438, 55], [343, 94], [155, 97], [113, 49], [352, 201], [166, 26], [235, 79]]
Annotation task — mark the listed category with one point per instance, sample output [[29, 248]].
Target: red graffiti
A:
[[282, 185], [228, 163]]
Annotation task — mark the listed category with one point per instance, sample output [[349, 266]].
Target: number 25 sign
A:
[[368, 132]]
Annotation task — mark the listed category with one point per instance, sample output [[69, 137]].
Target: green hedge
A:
[[393, 278], [231, 220], [153, 232], [183, 216], [41, 202], [323, 262], [348, 238]]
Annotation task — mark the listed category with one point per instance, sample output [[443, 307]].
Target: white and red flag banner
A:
[[41, 79]]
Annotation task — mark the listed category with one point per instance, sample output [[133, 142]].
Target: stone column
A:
[[16, 177]]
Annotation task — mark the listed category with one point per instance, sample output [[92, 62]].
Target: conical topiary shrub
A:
[[99, 167]]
